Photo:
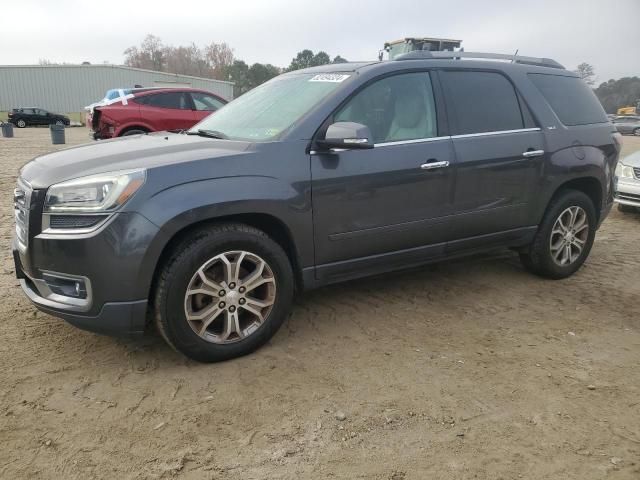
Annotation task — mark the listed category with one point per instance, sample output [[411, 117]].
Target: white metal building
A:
[[69, 88]]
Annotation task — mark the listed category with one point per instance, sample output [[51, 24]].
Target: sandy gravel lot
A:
[[468, 370]]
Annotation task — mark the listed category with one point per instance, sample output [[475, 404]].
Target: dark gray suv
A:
[[318, 176]]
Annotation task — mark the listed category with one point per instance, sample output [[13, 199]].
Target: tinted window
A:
[[395, 108], [482, 102], [570, 98], [176, 100], [206, 102]]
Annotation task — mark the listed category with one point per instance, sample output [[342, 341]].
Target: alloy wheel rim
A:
[[230, 296], [21, 123], [569, 236]]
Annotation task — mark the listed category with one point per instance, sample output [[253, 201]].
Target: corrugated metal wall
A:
[[68, 88]]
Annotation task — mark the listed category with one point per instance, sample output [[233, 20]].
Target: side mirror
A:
[[347, 135]]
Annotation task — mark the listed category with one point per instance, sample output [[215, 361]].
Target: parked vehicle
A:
[[112, 96], [153, 110], [627, 190], [24, 117], [628, 125], [317, 176]]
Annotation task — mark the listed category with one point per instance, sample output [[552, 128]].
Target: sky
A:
[[604, 33]]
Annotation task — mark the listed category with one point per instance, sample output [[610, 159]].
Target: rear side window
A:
[[175, 100], [482, 102], [570, 98]]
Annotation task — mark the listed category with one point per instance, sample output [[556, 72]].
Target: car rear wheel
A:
[[21, 123], [564, 238], [133, 132], [60, 122], [223, 293]]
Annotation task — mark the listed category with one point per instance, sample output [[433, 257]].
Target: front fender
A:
[[187, 204]]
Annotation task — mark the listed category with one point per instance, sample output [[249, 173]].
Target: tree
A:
[[339, 59], [302, 60], [624, 92], [149, 56], [306, 58], [238, 73], [586, 72], [220, 57], [260, 73]]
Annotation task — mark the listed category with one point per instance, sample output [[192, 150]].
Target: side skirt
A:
[[320, 275]]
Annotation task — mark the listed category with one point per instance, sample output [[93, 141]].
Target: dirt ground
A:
[[472, 369]]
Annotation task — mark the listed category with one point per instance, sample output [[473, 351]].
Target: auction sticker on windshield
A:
[[329, 77]]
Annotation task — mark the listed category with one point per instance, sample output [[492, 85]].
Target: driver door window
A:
[[397, 108]]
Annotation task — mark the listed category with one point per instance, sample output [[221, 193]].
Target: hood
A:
[[138, 151]]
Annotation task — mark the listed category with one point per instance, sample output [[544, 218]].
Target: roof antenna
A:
[[513, 60]]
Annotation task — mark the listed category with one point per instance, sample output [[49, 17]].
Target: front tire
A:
[[223, 292], [564, 238], [21, 123]]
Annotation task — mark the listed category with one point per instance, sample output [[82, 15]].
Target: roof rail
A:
[[426, 54]]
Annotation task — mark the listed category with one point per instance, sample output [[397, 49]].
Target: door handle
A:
[[434, 165], [533, 153]]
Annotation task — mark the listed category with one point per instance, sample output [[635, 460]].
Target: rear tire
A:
[[627, 208], [133, 132], [558, 252], [215, 319], [59, 122]]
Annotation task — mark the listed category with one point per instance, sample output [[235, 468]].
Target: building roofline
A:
[[111, 65]]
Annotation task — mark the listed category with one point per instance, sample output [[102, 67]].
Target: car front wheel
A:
[[564, 238], [223, 293], [21, 123]]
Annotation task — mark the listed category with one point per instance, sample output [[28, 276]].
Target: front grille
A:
[[636, 172], [21, 206], [74, 221]]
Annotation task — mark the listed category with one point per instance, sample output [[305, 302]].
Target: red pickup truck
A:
[[153, 110]]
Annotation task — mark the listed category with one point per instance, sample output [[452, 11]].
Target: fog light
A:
[[68, 287]]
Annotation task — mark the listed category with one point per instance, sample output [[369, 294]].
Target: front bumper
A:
[[110, 264], [627, 192], [114, 318]]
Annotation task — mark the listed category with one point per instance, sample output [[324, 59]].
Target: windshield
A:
[[265, 112]]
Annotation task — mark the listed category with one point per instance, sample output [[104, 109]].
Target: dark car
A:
[[627, 125], [317, 176], [23, 117], [153, 110]]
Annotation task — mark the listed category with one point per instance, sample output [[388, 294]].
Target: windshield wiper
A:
[[209, 134]]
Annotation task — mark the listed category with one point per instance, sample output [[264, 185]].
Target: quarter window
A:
[[570, 98], [482, 102], [395, 108], [205, 102]]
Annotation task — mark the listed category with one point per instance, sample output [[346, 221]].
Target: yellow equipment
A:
[[630, 110]]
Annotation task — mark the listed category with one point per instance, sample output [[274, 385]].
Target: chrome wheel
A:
[[22, 123], [59, 122], [230, 297], [569, 236]]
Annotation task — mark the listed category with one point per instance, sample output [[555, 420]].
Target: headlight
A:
[[97, 193], [624, 171]]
